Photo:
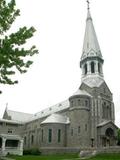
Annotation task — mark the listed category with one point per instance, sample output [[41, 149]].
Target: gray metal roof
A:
[[18, 116], [93, 81], [81, 92], [91, 46], [56, 118], [10, 121], [53, 109], [25, 117], [105, 123]]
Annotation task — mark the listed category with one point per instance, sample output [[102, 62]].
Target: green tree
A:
[[118, 137], [13, 55]]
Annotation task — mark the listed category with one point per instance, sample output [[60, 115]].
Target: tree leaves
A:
[[8, 14], [13, 57]]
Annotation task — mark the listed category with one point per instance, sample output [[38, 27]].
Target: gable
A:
[[93, 81], [16, 116], [106, 125], [6, 116], [105, 91], [102, 90], [85, 87]]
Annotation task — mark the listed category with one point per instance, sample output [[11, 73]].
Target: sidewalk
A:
[[5, 158]]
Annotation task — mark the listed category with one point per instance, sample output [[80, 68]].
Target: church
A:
[[85, 120]]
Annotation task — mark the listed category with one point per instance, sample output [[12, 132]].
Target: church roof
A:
[[91, 46], [93, 81], [105, 123], [18, 116], [81, 92], [15, 116], [56, 118], [10, 121], [53, 109]]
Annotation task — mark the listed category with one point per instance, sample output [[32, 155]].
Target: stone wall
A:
[[65, 150], [78, 132], [54, 137], [115, 149], [62, 150]]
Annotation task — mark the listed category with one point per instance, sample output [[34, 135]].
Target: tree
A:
[[13, 55], [118, 137]]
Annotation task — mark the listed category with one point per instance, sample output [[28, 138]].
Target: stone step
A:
[[87, 153]]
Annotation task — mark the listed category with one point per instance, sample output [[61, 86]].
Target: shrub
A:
[[34, 151], [118, 137], [26, 152]]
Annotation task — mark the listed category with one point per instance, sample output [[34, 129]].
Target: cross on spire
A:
[[88, 3]]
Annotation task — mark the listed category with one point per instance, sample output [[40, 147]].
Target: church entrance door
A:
[[104, 140], [108, 139], [109, 134]]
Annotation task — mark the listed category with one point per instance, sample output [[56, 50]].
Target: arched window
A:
[[78, 129], [50, 135], [86, 103], [85, 127], [78, 102], [85, 68], [103, 109], [108, 112], [72, 132], [59, 135], [99, 68], [92, 67], [25, 140], [0, 142], [109, 132], [42, 135], [32, 139], [72, 104]]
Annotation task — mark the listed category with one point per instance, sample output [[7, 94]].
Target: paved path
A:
[[5, 158], [85, 158], [73, 159]]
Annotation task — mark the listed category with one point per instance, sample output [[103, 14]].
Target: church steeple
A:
[[91, 59]]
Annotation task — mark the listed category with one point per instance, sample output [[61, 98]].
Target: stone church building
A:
[[85, 120]]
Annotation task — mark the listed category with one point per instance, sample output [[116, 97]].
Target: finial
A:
[[88, 3], [6, 106]]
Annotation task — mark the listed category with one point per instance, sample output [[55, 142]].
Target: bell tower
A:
[[91, 61]]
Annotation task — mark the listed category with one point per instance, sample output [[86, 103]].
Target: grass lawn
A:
[[50, 157], [67, 157], [106, 157]]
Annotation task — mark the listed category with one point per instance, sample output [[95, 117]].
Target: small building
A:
[[11, 142]]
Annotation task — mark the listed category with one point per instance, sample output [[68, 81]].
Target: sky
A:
[[55, 74]]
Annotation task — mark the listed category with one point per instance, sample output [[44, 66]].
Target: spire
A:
[[88, 9], [90, 46], [6, 108], [88, 3], [91, 60]]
